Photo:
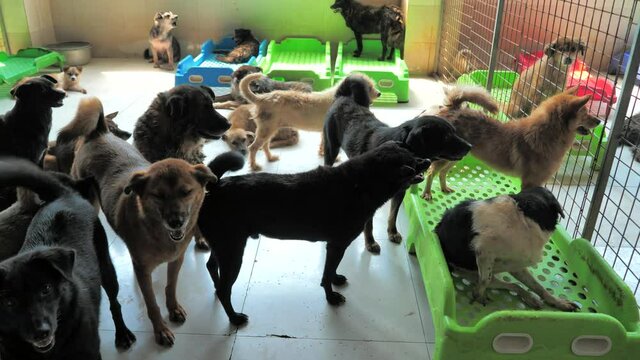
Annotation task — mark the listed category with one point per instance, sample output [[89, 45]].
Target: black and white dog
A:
[[506, 233]]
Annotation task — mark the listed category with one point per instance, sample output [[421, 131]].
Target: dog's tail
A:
[[89, 117], [229, 161], [20, 172], [458, 95], [245, 87]]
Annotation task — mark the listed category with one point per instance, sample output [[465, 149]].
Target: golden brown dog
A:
[[242, 132], [152, 207], [287, 108], [463, 63], [60, 154], [545, 78], [531, 148]]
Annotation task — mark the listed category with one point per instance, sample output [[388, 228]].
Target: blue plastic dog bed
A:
[[205, 69]]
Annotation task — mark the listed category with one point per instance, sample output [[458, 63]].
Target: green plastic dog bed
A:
[[606, 327], [299, 59], [391, 76], [26, 62]]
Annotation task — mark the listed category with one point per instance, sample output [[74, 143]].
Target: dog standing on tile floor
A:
[[152, 207], [545, 78], [164, 50], [342, 199], [352, 126], [531, 148], [288, 108], [506, 233]]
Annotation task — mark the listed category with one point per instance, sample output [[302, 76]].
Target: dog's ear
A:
[[158, 16], [137, 183], [176, 106], [550, 49], [251, 136], [356, 88], [208, 91], [203, 174], [50, 78], [581, 47], [66, 68], [415, 140], [577, 103], [61, 259], [112, 115], [572, 90], [79, 68], [224, 137]]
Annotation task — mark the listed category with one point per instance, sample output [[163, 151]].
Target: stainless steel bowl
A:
[[76, 53]]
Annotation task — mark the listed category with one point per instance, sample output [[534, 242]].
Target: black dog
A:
[[246, 47], [260, 86], [387, 20], [176, 124], [351, 125], [24, 130], [326, 204], [50, 291]]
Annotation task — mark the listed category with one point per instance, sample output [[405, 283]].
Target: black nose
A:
[[378, 94], [176, 222], [42, 332]]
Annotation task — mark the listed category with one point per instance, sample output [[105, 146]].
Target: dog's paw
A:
[[156, 65], [427, 196], [566, 305], [395, 237], [164, 336], [335, 298], [178, 315], [124, 339], [273, 158], [482, 299], [201, 244], [339, 280], [239, 319], [357, 53], [256, 167], [373, 247], [447, 190], [84, 91], [381, 58]]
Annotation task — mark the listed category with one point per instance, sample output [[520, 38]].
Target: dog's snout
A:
[[378, 94], [175, 222], [42, 331]]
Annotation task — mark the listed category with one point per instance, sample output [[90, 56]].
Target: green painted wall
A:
[[15, 22]]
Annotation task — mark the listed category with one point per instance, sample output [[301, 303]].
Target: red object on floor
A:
[[602, 89]]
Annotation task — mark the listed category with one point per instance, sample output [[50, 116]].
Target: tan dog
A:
[[531, 148], [68, 79], [242, 132], [463, 63], [152, 207], [287, 108], [545, 78]]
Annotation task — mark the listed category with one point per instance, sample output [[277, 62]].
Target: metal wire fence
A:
[[527, 61]]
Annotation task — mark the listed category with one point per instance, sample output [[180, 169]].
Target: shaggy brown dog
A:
[[545, 78], [246, 47], [152, 207], [531, 148], [287, 108], [242, 132], [61, 152]]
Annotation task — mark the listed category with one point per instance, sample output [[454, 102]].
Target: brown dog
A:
[[531, 148], [152, 207], [242, 132], [545, 78], [288, 108], [61, 152]]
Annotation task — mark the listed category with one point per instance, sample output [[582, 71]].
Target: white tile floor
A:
[[386, 314]]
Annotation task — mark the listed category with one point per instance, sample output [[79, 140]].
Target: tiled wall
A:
[[119, 28]]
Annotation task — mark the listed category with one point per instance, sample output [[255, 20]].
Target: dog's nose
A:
[[42, 331], [378, 94], [176, 222]]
